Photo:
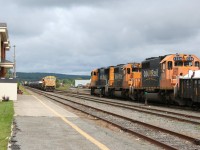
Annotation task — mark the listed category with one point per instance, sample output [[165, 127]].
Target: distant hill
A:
[[22, 76]]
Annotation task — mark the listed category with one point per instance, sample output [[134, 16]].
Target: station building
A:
[[8, 86], [4, 46]]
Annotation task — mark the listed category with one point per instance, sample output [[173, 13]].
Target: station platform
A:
[[40, 124]]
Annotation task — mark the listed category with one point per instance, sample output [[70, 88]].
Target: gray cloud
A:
[[78, 36], [64, 3]]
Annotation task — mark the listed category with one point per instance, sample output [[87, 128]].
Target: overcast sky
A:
[[77, 36]]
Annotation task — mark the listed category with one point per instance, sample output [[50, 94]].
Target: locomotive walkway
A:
[[40, 124]]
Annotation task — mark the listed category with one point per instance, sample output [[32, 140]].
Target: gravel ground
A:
[[170, 108], [177, 126]]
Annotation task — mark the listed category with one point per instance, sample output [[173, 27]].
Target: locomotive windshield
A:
[[181, 63], [188, 63], [136, 69]]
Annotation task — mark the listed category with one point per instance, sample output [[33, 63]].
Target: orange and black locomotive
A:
[[155, 79]]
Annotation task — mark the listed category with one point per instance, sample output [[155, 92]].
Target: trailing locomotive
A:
[[155, 79], [115, 80], [47, 83]]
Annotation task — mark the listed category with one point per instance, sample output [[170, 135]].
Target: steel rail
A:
[[144, 110]]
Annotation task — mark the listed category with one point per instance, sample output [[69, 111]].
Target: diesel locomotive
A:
[[47, 83], [154, 79], [115, 80]]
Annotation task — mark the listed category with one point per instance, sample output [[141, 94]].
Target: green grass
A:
[[23, 90], [64, 87], [6, 117]]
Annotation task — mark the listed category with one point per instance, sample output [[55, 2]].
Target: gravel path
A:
[[177, 126]]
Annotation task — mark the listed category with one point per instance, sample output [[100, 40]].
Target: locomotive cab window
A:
[[196, 63], [187, 63], [178, 63], [136, 69], [128, 70], [169, 65]]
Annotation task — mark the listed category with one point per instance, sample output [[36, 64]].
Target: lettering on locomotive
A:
[[150, 73], [118, 76]]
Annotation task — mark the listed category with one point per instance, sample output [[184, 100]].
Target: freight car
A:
[[35, 84], [47, 83], [190, 88], [155, 79]]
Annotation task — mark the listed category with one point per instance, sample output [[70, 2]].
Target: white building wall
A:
[[8, 90], [82, 82]]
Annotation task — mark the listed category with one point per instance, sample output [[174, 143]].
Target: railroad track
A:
[[162, 137], [153, 111]]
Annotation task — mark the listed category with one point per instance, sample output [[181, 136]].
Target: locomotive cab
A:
[[126, 77], [135, 77], [174, 66], [101, 80], [160, 77], [49, 83], [94, 79], [130, 70]]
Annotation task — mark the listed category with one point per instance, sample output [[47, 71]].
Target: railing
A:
[[136, 83], [5, 61]]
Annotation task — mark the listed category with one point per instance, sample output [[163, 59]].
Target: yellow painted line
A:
[[87, 136]]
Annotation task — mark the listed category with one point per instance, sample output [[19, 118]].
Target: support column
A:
[[3, 51], [1, 69], [0, 47]]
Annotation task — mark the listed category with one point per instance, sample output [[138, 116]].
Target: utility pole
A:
[[14, 63]]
